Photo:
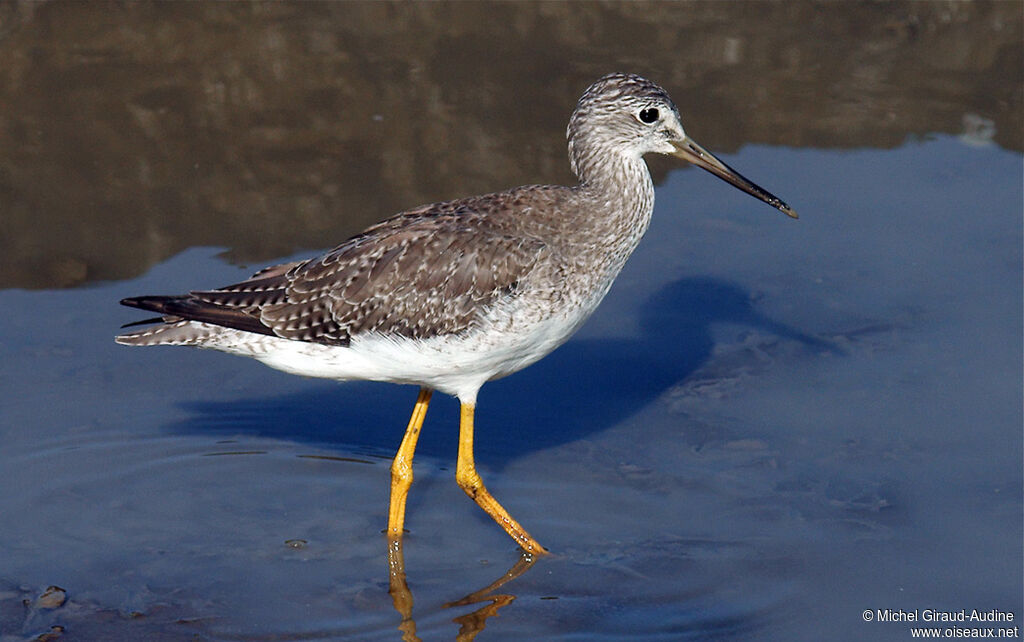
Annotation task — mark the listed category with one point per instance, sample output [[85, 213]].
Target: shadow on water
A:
[[582, 388]]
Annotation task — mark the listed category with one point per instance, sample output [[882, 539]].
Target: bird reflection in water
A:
[[470, 624]]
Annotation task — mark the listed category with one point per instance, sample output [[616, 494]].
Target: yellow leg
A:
[[401, 467], [469, 481]]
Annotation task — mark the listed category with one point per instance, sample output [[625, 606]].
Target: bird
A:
[[451, 295]]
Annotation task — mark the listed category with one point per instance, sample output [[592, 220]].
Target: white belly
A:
[[454, 364]]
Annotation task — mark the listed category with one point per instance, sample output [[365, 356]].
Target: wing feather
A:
[[411, 278], [426, 272]]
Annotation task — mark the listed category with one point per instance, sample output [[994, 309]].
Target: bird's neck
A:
[[619, 189]]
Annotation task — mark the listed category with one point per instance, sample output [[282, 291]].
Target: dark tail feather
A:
[[152, 303], [193, 309], [144, 322]]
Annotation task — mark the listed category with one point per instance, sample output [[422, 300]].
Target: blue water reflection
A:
[[767, 419]]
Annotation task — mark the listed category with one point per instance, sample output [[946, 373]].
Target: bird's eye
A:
[[648, 115]]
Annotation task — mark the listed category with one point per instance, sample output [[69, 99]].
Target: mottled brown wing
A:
[[412, 276], [274, 270]]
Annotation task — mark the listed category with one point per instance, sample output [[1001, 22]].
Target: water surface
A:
[[769, 427]]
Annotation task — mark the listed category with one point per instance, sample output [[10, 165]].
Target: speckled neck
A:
[[619, 187]]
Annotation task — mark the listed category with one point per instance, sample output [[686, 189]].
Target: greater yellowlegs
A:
[[450, 295]]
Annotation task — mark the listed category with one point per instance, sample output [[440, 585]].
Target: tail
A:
[[186, 320], [170, 333], [161, 304]]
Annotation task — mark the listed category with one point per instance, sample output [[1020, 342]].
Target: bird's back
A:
[[433, 270]]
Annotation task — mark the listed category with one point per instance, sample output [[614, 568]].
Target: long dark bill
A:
[[690, 151]]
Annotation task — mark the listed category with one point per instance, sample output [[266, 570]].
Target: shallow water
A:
[[768, 427]]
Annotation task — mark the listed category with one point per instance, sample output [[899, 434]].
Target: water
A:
[[768, 428]]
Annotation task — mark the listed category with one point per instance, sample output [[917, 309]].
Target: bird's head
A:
[[629, 115]]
